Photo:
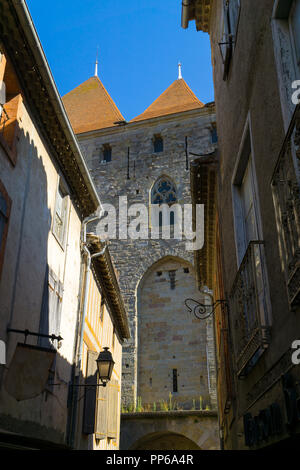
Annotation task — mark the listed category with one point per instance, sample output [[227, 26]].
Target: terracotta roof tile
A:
[[175, 99], [90, 107]]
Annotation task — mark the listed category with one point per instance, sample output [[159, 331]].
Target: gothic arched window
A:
[[164, 192]]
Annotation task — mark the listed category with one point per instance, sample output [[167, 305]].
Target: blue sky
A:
[[140, 43]]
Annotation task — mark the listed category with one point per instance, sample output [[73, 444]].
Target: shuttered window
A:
[[5, 205], [231, 15], [60, 218], [113, 409], [234, 12], [294, 23], [90, 393], [102, 413], [50, 317], [101, 406]]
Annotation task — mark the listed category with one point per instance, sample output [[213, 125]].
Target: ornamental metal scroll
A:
[[203, 311]]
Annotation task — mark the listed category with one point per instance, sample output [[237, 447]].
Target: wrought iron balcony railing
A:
[[286, 196], [250, 309]]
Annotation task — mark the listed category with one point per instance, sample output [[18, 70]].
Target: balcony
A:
[[250, 309], [286, 196]]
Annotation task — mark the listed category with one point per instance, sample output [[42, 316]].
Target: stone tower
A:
[[145, 160]]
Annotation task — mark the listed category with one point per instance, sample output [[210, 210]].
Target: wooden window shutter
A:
[[50, 316], [227, 40], [113, 407], [90, 394], [234, 12], [102, 413]]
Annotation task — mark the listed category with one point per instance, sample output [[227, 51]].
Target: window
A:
[[214, 135], [233, 15], [113, 337], [50, 316], [2, 87], [2, 102], [286, 40], [106, 153], [231, 12], [102, 309], [60, 217], [175, 381], [10, 107], [172, 276], [101, 404], [164, 192], [294, 27], [5, 206], [246, 209], [158, 144], [250, 299], [249, 220]]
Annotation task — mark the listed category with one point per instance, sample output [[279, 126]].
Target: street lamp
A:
[[105, 365]]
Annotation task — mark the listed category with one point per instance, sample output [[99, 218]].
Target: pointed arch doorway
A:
[[172, 368]]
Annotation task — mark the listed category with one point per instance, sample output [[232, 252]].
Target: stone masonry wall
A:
[[133, 258], [171, 341]]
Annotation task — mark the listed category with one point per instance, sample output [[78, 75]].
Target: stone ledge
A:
[[170, 414]]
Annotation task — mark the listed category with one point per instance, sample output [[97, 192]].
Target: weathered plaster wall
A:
[[252, 92], [32, 186]]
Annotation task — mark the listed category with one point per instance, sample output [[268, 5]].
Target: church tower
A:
[[170, 356]]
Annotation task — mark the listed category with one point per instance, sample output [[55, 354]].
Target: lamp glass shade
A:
[[105, 364]]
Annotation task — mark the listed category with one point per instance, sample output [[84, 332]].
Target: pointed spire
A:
[[96, 66], [179, 72]]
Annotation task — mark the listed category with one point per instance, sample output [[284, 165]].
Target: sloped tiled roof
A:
[[175, 99], [90, 107]]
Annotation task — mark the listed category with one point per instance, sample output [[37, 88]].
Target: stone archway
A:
[[171, 430], [169, 339], [165, 441]]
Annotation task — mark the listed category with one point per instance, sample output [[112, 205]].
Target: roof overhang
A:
[[204, 191], [207, 111], [20, 39], [106, 275], [198, 10]]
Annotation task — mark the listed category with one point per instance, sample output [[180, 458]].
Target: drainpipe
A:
[[185, 13], [89, 258], [78, 360]]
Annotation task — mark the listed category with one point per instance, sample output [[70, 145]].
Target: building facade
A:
[[145, 162], [255, 56], [46, 198]]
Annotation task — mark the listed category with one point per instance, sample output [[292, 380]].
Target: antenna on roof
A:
[[179, 72], [96, 66]]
